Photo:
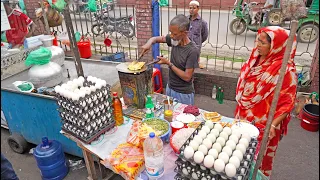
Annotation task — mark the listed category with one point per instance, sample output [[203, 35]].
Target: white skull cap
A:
[[193, 2]]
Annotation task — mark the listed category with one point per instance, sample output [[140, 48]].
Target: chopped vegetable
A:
[[157, 125]]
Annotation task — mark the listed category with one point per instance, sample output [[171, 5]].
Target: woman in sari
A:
[[256, 86]]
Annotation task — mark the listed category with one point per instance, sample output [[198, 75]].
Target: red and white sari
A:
[[256, 85]]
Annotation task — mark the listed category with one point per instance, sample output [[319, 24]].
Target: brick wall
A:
[[144, 25], [204, 81], [31, 6], [315, 70]]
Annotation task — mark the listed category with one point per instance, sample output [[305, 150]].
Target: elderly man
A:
[[198, 31], [183, 61]]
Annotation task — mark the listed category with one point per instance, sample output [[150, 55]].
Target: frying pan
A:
[[123, 67]]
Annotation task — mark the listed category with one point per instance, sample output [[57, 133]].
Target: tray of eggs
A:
[[214, 150], [85, 107]]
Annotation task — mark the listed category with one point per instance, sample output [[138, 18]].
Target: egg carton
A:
[[242, 171], [94, 135]]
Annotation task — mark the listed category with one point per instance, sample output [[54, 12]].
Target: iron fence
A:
[[222, 51]]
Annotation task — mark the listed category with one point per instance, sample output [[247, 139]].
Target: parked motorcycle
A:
[[106, 24]]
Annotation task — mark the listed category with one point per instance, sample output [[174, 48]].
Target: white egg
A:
[[202, 133], [194, 144], [234, 138], [207, 142], [69, 83], [57, 88], [208, 161], [244, 141], [206, 129], [237, 133], [227, 150], [94, 79], [231, 144], [188, 152], [64, 86], [235, 161], [76, 91], [203, 149], [218, 126], [217, 146], [209, 124], [224, 156], [98, 86], [198, 139], [104, 83], [247, 136], [224, 135], [221, 141], [89, 78], [241, 148], [212, 137], [238, 154], [227, 130], [219, 165], [230, 170], [198, 157], [215, 132], [93, 88], [214, 153], [75, 97]]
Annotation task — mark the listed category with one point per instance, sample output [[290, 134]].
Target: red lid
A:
[[115, 94]]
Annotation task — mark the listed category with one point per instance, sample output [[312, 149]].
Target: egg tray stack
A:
[[188, 169], [88, 117]]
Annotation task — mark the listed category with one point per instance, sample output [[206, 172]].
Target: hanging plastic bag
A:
[[40, 56], [260, 175], [163, 3], [92, 4], [77, 36], [60, 5], [22, 6]]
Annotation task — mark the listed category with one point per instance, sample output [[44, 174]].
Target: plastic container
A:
[[84, 47], [153, 156], [310, 117], [166, 136], [117, 109], [47, 40], [51, 160]]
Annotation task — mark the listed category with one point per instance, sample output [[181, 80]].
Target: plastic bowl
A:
[[166, 136], [47, 40]]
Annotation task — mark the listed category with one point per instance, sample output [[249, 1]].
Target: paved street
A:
[[219, 33], [297, 156]]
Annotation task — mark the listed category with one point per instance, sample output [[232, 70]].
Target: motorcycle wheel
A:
[[131, 33], [308, 32], [96, 29], [237, 26]]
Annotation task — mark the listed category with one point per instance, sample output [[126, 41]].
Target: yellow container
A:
[[168, 114]]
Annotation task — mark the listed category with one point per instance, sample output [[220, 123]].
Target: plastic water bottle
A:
[[214, 92], [153, 156]]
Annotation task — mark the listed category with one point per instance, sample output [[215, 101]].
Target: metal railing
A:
[[222, 51]]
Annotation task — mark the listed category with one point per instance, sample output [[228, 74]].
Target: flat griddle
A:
[[123, 67]]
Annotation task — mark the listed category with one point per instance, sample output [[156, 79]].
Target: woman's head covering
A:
[[264, 77]]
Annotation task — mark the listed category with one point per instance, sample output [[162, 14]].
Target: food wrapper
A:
[[138, 133], [126, 160]]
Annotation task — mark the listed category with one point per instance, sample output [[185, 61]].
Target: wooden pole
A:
[[73, 42], [294, 27]]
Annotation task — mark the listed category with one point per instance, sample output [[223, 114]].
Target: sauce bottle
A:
[[117, 109]]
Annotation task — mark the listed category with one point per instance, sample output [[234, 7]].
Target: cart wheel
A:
[[17, 143]]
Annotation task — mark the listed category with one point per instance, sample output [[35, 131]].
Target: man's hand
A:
[[163, 60], [145, 48]]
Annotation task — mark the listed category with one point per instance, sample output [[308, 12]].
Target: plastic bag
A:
[[60, 5], [77, 36], [22, 6], [260, 175], [23, 86], [92, 4], [293, 8], [40, 56], [47, 75], [163, 3]]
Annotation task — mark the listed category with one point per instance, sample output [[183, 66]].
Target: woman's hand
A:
[[272, 132]]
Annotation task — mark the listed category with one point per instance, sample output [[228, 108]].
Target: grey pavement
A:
[[297, 156]]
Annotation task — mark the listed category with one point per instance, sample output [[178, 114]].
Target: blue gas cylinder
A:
[[51, 160]]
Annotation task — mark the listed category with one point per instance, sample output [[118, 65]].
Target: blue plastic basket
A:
[[166, 136]]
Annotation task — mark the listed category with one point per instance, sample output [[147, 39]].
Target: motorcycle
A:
[[106, 24]]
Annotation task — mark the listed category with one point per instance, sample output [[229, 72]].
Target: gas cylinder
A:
[[51, 160]]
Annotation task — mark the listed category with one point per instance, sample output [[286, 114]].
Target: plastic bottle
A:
[[149, 113], [153, 156], [117, 109], [214, 92], [150, 106], [221, 97], [218, 94]]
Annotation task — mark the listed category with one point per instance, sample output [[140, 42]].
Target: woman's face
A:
[[263, 44]]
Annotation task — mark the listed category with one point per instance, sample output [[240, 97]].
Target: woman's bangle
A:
[[274, 126]]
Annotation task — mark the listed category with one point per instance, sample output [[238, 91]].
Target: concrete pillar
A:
[[144, 25], [315, 70]]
